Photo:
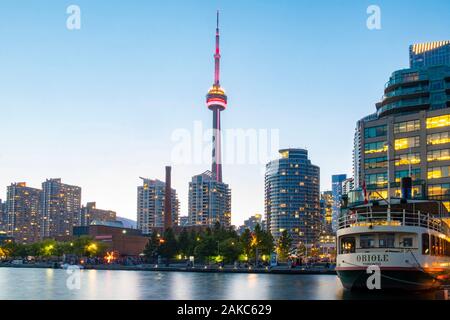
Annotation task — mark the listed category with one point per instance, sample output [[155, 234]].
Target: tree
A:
[[184, 243], [283, 245], [152, 247], [168, 247], [230, 249], [206, 248], [246, 240]]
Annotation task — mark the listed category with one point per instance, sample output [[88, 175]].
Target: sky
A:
[[99, 107]]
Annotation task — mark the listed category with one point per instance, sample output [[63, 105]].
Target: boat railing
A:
[[403, 218]]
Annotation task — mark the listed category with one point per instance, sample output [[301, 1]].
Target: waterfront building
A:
[[121, 241], [60, 208], [150, 205], [292, 197], [409, 134], [23, 218], [90, 212], [209, 201], [326, 210], [429, 54], [336, 189]]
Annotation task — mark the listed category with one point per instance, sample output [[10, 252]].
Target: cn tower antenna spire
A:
[[217, 55]]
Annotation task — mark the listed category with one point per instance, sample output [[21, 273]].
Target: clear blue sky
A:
[[97, 106]]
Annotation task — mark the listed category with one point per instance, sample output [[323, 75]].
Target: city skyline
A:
[[93, 113]]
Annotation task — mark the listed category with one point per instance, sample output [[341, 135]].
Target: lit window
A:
[[405, 143], [438, 122]]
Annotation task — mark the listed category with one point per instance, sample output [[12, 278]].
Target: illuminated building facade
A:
[[336, 189], [209, 201], [23, 218], [409, 135], [90, 213], [60, 208], [150, 205], [292, 197], [326, 212]]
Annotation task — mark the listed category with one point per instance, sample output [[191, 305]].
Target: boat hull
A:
[[392, 279]]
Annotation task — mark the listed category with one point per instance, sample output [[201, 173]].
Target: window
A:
[[367, 241], [438, 172], [347, 245], [425, 243], [438, 138], [407, 158], [405, 143], [407, 242], [375, 131], [374, 163], [437, 85], [376, 179], [415, 174], [438, 122], [375, 147], [386, 240], [439, 190], [407, 126], [438, 155]]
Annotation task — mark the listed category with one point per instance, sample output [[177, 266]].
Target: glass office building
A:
[[429, 54], [336, 189], [409, 134], [292, 197]]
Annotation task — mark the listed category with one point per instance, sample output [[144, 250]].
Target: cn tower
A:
[[216, 100]]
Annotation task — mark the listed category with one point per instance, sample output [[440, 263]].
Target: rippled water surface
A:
[[57, 284]]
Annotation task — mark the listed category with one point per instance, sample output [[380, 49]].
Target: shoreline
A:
[[199, 269]]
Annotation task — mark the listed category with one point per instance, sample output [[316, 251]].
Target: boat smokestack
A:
[[406, 187]]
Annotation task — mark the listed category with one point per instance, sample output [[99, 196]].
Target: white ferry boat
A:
[[409, 240]]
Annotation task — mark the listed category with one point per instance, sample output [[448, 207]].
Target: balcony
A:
[[404, 105], [397, 219]]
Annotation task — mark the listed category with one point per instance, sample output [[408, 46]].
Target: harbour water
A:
[[58, 284]]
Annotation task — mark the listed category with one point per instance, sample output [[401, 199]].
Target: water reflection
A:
[[105, 285]]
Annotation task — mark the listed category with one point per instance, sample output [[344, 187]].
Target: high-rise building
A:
[[23, 218], [209, 201], [336, 189], [409, 135], [150, 205], [3, 216], [292, 197], [60, 208], [429, 54], [348, 185], [326, 210], [90, 213], [184, 221], [251, 222]]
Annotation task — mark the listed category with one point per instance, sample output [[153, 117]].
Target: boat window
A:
[[408, 242], [425, 243], [347, 245], [367, 241], [434, 246], [386, 240]]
